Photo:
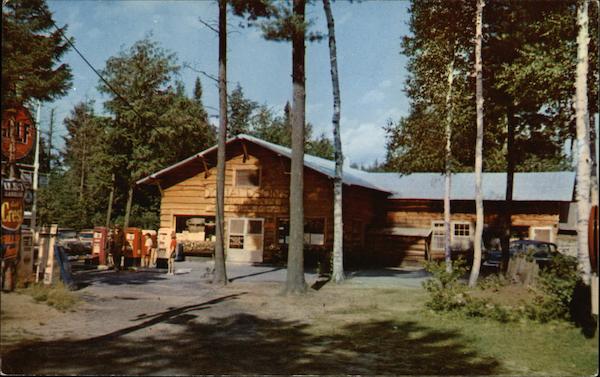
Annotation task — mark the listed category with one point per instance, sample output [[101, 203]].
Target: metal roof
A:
[[321, 165], [542, 186]]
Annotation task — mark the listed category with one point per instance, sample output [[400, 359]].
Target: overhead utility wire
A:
[[68, 40]]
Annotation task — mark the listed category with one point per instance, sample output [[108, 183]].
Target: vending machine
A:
[[100, 245]]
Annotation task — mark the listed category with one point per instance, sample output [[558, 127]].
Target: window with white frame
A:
[[460, 236], [314, 231], [437, 235], [247, 177], [541, 233], [236, 233], [246, 234]]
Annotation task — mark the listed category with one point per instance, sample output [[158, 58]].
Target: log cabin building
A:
[[388, 218]]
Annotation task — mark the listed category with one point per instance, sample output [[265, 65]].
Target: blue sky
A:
[[372, 70]]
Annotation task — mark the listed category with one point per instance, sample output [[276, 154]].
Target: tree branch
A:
[[188, 66]]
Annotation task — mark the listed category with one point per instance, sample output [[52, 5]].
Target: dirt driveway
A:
[[149, 323]]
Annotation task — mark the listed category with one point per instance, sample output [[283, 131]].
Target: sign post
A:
[[18, 134]]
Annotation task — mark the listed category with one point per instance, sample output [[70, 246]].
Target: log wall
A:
[[397, 250], [197, 196]]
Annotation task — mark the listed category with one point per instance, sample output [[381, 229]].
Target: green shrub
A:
[[446, 290], [554, 290], [492, 282], [57, 295], [477, 307]]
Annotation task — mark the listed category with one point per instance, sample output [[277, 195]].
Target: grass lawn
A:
[[460, 345], [523, 348]]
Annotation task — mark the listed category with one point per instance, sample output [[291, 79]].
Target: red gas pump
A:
[[133, 250], [99, 244]]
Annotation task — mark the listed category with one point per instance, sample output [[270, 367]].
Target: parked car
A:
[[86, 239], [67, 238], [542, 252]]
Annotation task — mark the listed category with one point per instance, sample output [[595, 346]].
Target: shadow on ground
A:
[[255, 274], [389, 272], [247, 344], [83, 279]]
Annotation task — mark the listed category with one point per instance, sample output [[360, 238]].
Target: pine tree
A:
[[155, 124], [31, 50], [220, 273]]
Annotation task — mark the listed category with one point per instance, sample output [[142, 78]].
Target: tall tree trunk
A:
[[338, 225], [128, 207], [583, 144], [82, 178], [478, 147], [295, 282], [448, 167], [220, 274], [510, 174], [110, 200]]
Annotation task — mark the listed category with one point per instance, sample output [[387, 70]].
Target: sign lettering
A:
[[17, 125]]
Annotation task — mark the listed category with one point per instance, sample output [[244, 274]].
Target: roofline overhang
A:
[[155, 177]]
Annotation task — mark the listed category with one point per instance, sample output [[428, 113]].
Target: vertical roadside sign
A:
[[18, 135], [13, 191]]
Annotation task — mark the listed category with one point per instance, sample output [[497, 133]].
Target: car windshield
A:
[[538, 248], [86, 235], [67, 234]]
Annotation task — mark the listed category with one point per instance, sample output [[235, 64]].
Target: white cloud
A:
[[372, 96], [364, 143]]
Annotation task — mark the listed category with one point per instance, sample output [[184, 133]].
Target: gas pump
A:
[[133, 249], [164, 240], [100, 245]]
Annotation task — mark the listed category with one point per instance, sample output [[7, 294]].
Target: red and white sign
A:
[[17, 125], [10, 244], [13, 191]]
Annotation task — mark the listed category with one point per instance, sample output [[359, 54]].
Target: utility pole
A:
[[110, 200], [36, 167], [50, 131]]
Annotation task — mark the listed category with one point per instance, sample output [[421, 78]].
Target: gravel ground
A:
[[147, 306]]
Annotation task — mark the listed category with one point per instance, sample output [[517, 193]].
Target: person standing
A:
[[118, 244], [171, 254], [150, 257]]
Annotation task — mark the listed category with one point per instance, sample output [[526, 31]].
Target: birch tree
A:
[[583, 144], [220, 274], [338, 225], [448, 167], [478, 145]]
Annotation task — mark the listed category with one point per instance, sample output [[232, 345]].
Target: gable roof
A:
[[321, 165], [543, 186]]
